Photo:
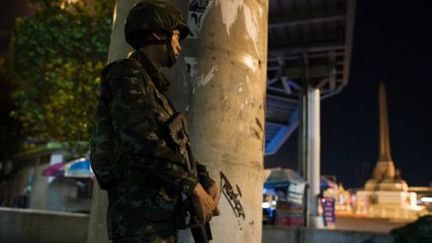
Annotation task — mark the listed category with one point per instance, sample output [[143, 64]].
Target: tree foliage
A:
[[58, 55]]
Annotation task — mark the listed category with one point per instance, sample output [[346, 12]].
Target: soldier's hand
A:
[[203, 204], [213, 191]]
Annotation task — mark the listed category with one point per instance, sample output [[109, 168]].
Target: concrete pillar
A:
[[118, 49], [226, 66], [310, 152], [314, 157]]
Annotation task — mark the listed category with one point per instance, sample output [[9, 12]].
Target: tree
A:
[[58, 55]]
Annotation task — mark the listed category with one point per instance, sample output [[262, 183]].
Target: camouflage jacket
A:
[[143, 171]]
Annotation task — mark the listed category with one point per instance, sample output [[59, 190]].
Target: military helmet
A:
[[152, 22]]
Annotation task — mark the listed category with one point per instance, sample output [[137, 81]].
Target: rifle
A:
[[202, 234], [179, 135]]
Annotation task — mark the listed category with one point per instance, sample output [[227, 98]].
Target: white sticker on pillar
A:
[[197, 12], [194, 78], [205, 79], [231, 11], [252, 26]]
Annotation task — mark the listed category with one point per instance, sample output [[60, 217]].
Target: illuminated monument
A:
[[386, 194], [384, 176]]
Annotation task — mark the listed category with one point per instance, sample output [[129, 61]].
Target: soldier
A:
[[140, 150]]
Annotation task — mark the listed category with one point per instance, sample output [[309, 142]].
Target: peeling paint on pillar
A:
[[226, 67]]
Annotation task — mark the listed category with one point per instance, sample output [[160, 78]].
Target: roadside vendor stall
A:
[[283, 204]]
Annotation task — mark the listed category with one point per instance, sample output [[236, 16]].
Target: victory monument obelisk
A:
[[386, 195], [384, 176]]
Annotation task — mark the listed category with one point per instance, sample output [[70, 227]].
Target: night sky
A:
[[392, 43]]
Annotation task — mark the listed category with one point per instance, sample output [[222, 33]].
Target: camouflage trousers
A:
[[151, 238]]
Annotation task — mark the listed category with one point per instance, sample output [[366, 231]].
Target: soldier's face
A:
[[160, 54], [176, 48], [175, 43]]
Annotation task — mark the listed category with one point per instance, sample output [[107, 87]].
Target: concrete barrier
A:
[[274, 234], [39, 226]]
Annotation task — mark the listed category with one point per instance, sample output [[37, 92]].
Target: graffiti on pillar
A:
[[233, 198], [197, 12]]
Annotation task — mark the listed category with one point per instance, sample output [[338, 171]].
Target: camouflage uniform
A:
[[133, 155]]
